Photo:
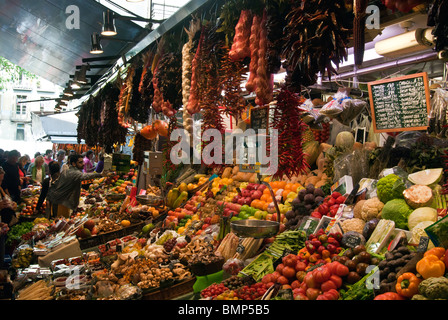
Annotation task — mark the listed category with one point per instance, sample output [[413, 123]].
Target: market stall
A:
[[354, 210]]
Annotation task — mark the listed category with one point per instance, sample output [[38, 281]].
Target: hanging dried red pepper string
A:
[[290, 127]]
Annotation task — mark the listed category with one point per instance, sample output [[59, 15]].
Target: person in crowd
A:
[[27, 163], [2, 154], [22, 171], [38, 170], [4, 158], [49, 181], [35, 156], [48, 156], [66, 192], [88, 162], [7, 206], [11, 181], [66, 166], [100, 165], [60, 158]]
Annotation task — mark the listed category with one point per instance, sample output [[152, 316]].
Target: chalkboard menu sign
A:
[[400, 104], [259, 118]]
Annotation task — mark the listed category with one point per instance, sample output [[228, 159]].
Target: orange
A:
[[125, 223], [281, 184], [289, 186], [265, 197], [265, 206], [255, 203], [285, 193], [266, 191]]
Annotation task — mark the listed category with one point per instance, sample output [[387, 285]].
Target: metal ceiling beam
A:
[[149, 39]]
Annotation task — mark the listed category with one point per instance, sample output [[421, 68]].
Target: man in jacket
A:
[[11, 182], [66, 191]]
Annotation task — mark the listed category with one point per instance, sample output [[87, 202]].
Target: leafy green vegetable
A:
[[17, 230], [390, 187], [359, 290], [398, 211]]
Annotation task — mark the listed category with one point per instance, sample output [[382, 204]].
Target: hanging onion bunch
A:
[[316, 35], [438, 18], [290, 127], [124, 98]]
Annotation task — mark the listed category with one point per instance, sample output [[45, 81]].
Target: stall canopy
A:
[[38, 36], [57, 128]]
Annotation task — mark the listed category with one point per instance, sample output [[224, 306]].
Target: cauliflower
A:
[[434, 288], [398, 211], [354, 224], [357, 210], [390, 187], [372, 209]]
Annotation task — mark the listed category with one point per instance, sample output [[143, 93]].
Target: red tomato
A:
[[279, 268], [321, 274], [282, 280], [327, 285], [289, 272], [310, 281], [300, 266], [337, 280], [266, 279], [290, 260], [312, 293], [295, 285]]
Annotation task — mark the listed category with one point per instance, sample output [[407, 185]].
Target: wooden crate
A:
[[171, 292]]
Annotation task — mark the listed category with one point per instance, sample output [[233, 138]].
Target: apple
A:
[[257, 194], [247, 200], [245, 193], [242, 201]]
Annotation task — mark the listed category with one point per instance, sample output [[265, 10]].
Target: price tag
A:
[[423, 244]]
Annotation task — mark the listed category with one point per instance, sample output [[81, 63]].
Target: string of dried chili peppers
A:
[[290, 127]]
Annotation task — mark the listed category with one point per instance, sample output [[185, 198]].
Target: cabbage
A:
[[421, 214]]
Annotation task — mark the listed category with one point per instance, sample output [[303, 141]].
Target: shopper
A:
[[60, 158], [28, 162], [22, 171], [7, 206], [35, 156], [38, 170], [53, 177], [88, 162], [100, 165], [11, 181], [48, 156], [66, 191]]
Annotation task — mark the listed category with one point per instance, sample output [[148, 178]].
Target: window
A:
[[20, 107], [20, 131], [44, 104]]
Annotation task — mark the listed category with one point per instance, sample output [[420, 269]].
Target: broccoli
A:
[[398, 211], [390, 187], [434, 288]]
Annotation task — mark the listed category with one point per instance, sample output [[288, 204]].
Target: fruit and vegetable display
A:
[[349, 217]]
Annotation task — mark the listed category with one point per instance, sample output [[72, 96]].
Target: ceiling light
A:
[[68, 92], [95, 44], [75, 85], [64, 99], [108, 24], [81, 78]]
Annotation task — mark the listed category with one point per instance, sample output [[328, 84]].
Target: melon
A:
[[418, 196], [345, 139], [311, 151], [428, 177]]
